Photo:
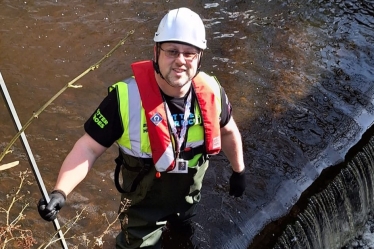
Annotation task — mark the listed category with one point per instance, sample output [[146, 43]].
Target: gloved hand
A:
[[49, 211], [237, 183]]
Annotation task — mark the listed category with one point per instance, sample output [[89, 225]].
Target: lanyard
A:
[[187, 111]]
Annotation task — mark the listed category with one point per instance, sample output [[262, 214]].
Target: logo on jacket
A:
[[156, 118]]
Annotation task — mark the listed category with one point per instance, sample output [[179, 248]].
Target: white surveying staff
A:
[[32, 161]]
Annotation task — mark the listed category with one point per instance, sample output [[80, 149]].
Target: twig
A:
[[20, 215], [24, 237], [68, 226], [15, 197], [70, 84], [99, 240]]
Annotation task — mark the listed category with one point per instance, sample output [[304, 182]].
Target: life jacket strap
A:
[[189, 153], [146, 164], [119, 162]]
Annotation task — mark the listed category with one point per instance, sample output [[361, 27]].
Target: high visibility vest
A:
[[145, 124]]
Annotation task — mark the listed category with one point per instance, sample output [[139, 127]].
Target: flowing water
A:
[[298, 73], [339, 211]]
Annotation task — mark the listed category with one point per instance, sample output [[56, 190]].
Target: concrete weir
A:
[[333, 210]]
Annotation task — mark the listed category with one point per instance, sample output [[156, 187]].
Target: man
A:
[[168, 115]]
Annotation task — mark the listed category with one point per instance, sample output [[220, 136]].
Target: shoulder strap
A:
[[208, 105]]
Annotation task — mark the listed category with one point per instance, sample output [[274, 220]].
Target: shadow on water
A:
[[298, 73]]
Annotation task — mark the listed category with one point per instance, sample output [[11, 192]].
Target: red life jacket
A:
[[158, 131]]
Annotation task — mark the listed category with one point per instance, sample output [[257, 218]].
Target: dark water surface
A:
[[299, 74]]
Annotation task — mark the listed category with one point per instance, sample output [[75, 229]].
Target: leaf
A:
[[8, 165]]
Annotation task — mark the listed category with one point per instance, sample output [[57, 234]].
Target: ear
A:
[[199, 63], [201, 56], [155, 52]]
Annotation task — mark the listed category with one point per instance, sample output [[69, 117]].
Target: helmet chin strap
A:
[[157, 68], [155, 63]]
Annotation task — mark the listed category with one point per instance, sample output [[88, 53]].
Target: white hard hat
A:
[[182, 25]]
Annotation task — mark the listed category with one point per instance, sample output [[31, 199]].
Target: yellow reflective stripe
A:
[[144, 138], [195, 159], [135, 139], [193, 162], [196, 132], [123, 105]]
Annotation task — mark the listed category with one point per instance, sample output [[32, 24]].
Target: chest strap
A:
[[189, 153]]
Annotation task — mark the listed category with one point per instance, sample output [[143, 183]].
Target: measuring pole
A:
[[32, 161]]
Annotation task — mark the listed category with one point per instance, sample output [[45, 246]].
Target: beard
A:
[[174, 80]]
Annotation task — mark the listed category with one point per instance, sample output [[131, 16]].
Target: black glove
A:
[[49, 211], [237, 184]]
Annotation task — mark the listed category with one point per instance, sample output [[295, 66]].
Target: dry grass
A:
[[11, 233], [14, 235]]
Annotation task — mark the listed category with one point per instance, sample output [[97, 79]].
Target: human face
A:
[[177, 70]]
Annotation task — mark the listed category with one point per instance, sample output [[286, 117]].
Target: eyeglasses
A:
[[175, 54]]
